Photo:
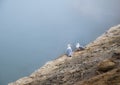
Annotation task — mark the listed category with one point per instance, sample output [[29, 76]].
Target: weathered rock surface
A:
[[82, 68], [106, 65], [109, 78]]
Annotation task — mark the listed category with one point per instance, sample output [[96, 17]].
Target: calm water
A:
[[33, 32]]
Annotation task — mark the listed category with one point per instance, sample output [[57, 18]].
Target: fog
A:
[[33, 32]]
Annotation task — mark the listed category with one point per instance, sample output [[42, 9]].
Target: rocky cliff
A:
[[98, 64]]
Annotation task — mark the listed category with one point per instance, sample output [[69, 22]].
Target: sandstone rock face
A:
[[82, 67]]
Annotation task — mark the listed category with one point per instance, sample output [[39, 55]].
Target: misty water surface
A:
[[33, 32]]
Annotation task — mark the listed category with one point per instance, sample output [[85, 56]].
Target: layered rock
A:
[[82, 66]]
